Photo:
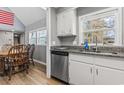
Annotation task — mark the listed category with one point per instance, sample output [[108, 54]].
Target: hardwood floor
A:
[[36, 76]]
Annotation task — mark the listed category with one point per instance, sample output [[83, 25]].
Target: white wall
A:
[[40, 50], [54, 38], [6, 38]]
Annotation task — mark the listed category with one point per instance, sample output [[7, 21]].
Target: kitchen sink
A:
[[101, 52], [106, 52]]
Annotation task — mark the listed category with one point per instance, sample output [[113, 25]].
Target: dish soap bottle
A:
[[86, 46]]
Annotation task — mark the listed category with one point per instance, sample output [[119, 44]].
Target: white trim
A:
[[38, 61], [118, 37], [99, 12], [48, 57], [35, 30], [66, 10], [120, 16]]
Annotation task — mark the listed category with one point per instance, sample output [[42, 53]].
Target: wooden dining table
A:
[[3, 53]]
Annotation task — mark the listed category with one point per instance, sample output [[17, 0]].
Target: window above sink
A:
[[105, 24]]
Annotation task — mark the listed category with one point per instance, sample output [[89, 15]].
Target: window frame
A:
[[36, 30], [41, 37], [33, 38], [118, 36]]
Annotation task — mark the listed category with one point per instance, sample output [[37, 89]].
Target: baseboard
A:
[[35, 60]]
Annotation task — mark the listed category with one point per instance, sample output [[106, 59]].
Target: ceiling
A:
[[29, 15]]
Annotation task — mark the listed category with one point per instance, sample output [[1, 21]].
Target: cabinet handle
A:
[[91, 70], [97, 72]]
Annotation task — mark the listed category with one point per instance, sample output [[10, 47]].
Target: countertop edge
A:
[[120, 55]]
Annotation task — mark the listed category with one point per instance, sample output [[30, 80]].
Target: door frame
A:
[[48, 54]]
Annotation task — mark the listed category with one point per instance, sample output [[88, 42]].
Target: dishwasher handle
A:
[[60, 53]]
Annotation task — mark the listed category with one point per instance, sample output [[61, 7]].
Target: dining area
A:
[[18, 67], [23, 47], [15, 59]]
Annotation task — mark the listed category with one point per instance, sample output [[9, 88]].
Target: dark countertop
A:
[[120, 55]]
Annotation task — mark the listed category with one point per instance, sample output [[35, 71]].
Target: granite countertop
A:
[[108, 54]]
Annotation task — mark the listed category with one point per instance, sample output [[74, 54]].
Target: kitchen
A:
[[65, 46], [73, 45], [87, 45]]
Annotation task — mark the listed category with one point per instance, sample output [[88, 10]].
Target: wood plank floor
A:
[[36, 76]]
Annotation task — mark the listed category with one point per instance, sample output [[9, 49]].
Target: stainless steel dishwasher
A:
[[59, 65]]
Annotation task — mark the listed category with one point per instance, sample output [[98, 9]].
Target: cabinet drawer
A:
[[81, 58], [111, 62]]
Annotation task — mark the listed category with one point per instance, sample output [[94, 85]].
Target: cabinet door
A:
[[60, 24], [71, 22], [80, 73], [66, 23], [109, 76]]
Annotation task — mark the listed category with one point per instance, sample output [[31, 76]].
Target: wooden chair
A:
[[17, 57], [2, 66], [3, 60], [31, 53]]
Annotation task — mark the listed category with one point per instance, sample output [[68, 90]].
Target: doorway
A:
[[19, 38], [16, 39]]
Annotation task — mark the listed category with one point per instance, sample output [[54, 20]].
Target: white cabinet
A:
[[84, 69], [80, 73], [109, 76], [66, 23]]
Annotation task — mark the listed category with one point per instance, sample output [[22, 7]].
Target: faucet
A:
[[96, 43]]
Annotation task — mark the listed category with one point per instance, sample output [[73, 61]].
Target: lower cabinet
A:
[[109, 76], [84, 73], [80, 73]]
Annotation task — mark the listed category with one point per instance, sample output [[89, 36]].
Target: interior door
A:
[[80, 73], [107, 76]]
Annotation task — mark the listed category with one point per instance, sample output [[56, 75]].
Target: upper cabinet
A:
[[66, 23], [105, 24]]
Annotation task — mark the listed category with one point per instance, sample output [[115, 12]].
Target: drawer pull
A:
[[91, 70]]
